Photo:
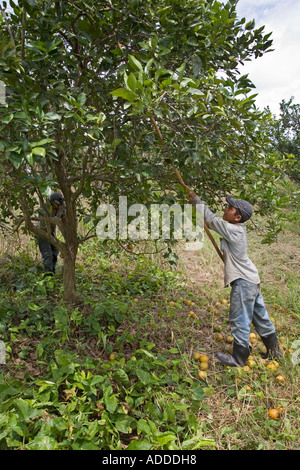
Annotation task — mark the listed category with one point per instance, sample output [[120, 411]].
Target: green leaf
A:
[[134, 63], [52, 116], [148, 66], [86, 445], [62, 358], [195, 91], [116, 142], [43, 442], [250, 25], [124, 423], [7, 119], [54, 44], [122, 377], [81, 99], [41, 46], [193, 41], [145, 377], [164, 438], [197, 442], [39, 151], [132, 82], [111, 403], [26, 410], [41, 142], [140, 444], [198, 393], [173, 351], [33, 307], [30, 159], [143, 427], [16, 159], [124, 93], [4, 145]]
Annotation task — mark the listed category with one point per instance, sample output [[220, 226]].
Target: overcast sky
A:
[[276, 75]]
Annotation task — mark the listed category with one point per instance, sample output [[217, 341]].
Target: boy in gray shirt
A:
[[246, 302]]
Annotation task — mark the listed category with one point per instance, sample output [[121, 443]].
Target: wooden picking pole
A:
[[179, 177]]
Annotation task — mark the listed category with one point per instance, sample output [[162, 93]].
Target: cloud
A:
[[276, 75]]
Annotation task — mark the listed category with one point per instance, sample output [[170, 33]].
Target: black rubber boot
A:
[[238, 357], [272, 345]]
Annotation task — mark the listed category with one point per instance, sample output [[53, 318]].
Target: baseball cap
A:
[[244, 207], [56, 198]]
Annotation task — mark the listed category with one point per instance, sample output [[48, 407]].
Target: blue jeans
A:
[[246, 307], [49, 255]]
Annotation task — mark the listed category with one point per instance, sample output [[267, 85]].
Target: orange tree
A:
[[83, 80]]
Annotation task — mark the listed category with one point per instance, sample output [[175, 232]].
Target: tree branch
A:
[[36, 230], [23, 34], [8, 28]]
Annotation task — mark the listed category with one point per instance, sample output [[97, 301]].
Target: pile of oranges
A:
[[203, 364]]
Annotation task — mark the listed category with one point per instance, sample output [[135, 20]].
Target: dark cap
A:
[[56, 198], [244, 207]]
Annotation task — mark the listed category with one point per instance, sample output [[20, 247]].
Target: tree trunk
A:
[[69, 277], [70, 229]]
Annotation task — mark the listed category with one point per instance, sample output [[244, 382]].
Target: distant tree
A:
[[287, 132], [83, 80]]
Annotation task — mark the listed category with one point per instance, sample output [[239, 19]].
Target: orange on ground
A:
[[274, 413]]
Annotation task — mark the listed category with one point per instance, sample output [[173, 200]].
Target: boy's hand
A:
[[191, 196]]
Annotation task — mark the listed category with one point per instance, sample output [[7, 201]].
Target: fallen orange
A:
[[274, 413], [202, 374]]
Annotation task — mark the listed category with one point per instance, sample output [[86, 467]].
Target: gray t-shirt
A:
[[233, 245]]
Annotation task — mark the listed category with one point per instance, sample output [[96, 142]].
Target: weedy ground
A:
[[118, 369]]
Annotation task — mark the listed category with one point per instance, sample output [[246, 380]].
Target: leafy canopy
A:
[[82, 80]]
